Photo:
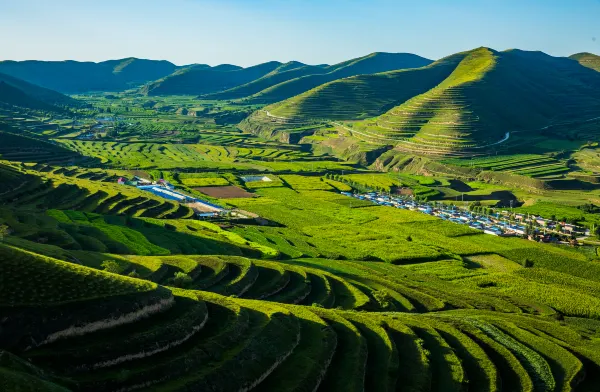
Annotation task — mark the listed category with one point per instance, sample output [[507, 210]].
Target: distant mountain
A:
[[202, 80], [297, 78], [17, 92], [283, 73], [78, 77], [195, 80], [589, 60], [464, 102]]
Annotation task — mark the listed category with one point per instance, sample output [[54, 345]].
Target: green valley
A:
[[387, 223]]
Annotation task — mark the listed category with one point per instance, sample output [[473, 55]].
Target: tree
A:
[[181, 280], [4, 231], [111, 266]]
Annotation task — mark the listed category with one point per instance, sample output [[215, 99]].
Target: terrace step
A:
[[480, 371], [320, 291], [157, 333], [447, 371], [242, 275], [346, 295], [535, 365], [273, 338], [415, 368], [272, 279], [347, 370], [511, 373], [306, 367], [296, 290], [382, 360], [566, 368], [227, 330], [213, 271]]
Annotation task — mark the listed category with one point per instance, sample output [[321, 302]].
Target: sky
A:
[[248, 32]]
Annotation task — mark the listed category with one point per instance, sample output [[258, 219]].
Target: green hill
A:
[[298, 81], [454, 309], [589, 60], [489, 95], [457, 105], [13, 96], [77, 77], [284, 72], [18, 92], [203, 80]]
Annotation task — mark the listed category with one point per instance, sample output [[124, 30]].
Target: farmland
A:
[[294, 286]]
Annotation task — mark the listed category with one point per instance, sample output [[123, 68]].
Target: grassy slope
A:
[[76, 76], [277, 86], [202, 80], [488, 94], [34, 94], [373, 63], [589, 60]]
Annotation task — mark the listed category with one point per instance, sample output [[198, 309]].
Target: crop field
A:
[[526, 164], [140, 155], [105, 286], [224, 192]]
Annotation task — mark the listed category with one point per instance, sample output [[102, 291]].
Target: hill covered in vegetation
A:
[[17, 92], [78, 77], [253, 263], [589, 60], [295, 78], [461, 103], [194, 80]]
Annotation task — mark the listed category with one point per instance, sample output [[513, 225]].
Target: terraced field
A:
[[539, 166], [105, 287], [178, 339], [178, 156], [444, 109]]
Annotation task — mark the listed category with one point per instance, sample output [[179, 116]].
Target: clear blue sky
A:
[[247, 32]]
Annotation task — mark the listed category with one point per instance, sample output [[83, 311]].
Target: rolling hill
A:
[[280, 84], [77, 77], [459, 104], [17, 92], [589, 60], [203, 80]]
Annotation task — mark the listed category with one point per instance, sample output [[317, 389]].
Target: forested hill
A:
[[77, 77], [17, 92], [282, 84]]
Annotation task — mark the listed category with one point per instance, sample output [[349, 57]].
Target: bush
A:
[[111, 266], [182, 280]]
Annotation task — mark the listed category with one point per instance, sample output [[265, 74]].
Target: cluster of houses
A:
[[164, 189], [502, 223]]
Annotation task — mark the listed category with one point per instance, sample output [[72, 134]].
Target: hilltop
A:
[[77, 77], [295, 78], [195, 80], [589, 60], [458, 104]]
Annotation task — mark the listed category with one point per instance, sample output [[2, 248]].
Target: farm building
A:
[[256, 178]]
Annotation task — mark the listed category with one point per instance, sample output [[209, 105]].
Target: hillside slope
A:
[[18, 92], [589, 60], [460, 104], [78, 77], [203, 80], [488, 95], [284, 72], [373, 63]]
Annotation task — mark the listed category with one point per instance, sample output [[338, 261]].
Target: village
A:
[[164, 189], [498, 223]]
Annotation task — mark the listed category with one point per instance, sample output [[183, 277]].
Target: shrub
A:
[[182, 280], [111, 266]]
